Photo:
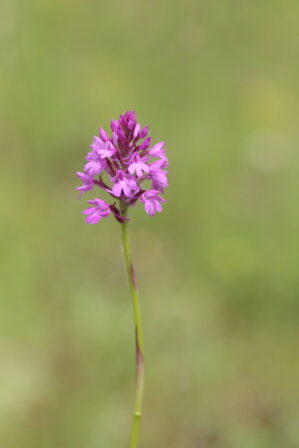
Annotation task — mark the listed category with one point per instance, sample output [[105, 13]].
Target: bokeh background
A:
[[217, 271]]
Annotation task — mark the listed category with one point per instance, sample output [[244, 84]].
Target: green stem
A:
[[139, 385]]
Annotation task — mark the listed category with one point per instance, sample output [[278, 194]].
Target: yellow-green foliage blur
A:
[[217, 271]]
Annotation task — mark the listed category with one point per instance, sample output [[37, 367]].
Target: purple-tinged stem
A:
[[139, 384]]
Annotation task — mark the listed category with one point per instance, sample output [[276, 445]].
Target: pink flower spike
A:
[[100, 210], [121, 163]]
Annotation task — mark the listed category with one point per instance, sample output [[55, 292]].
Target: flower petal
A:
[[89, 210], [93, 218]]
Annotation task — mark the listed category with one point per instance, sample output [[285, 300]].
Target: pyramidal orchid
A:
[[127, 167]]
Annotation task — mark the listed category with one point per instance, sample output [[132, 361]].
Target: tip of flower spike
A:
[[130, 115]]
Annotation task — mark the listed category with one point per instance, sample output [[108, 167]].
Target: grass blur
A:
[[217, 271]]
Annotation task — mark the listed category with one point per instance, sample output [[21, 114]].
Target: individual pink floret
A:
[[124, 184], [100, 210], [87, 181], [138, 165], [152, 202]]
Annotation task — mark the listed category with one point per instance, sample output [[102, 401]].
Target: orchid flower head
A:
[[127, 159]]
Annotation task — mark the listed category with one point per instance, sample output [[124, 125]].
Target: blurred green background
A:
[[217, 271]]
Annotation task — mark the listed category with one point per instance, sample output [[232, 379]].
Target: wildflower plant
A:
[[123, 165]]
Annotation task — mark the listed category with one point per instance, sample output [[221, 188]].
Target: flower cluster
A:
[[119, 165]]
